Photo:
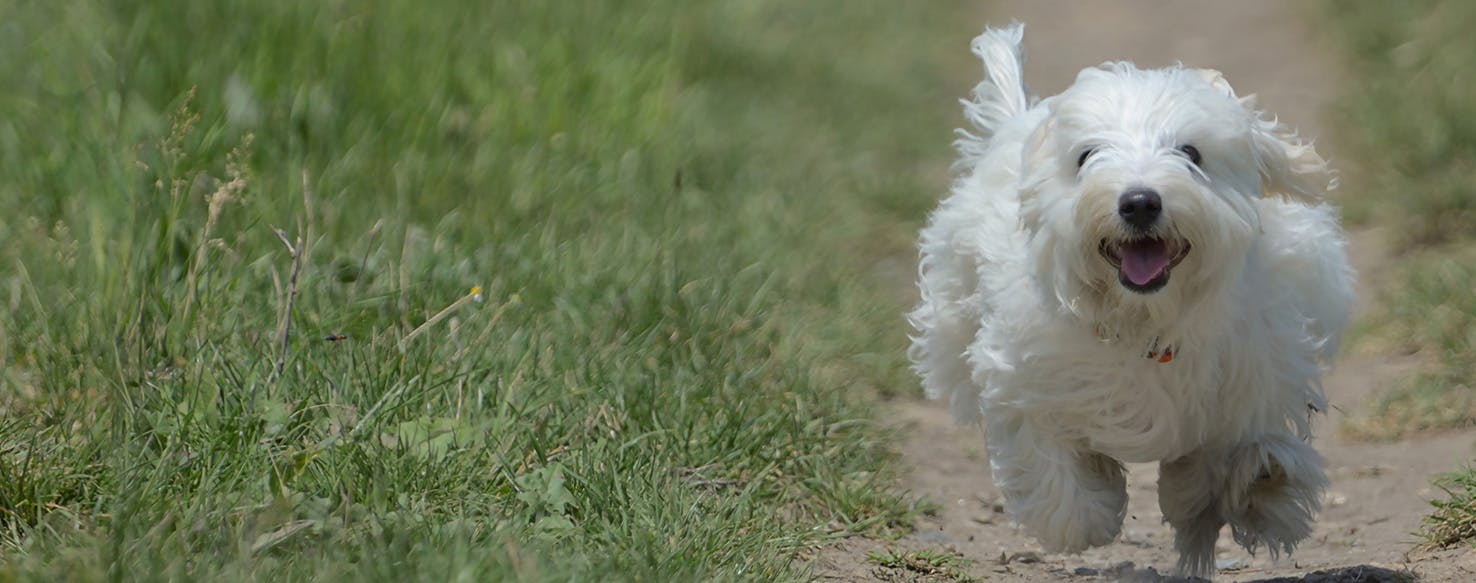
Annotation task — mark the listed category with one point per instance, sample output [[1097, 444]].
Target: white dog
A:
[[1138, 269]]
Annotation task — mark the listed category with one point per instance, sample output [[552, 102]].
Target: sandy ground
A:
[[1378, 491]]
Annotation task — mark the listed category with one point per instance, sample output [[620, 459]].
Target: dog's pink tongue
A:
[[1144, 260]]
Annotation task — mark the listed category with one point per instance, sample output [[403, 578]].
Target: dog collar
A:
[[1163, 355]]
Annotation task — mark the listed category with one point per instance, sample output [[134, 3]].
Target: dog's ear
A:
[[1036, 160], [1217, 80], [1289, 167]]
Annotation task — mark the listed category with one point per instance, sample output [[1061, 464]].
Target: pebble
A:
[[1024, 557], [1230, 564]]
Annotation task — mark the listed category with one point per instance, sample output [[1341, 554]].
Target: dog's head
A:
[[1140, 188]]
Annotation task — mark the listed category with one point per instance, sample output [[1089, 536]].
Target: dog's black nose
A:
[[1139, 207]]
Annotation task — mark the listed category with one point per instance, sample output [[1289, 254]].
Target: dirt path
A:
[[1378, 491]]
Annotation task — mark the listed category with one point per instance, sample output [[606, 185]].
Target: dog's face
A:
[[1140, 187]]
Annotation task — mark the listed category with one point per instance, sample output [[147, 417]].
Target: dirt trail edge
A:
[[1378, 491]]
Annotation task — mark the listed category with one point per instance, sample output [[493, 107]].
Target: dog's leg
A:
[[1273, 490], [1189, 489], [1069, 498]]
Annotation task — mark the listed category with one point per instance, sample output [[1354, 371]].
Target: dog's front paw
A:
[[1073, 530], [1274, 492], [1079, 506]]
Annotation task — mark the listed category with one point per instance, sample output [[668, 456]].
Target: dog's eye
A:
[[1087, 153], [1192, 153]]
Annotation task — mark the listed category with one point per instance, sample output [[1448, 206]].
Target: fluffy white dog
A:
[[1138, 269]]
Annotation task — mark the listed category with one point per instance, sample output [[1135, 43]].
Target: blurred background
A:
[[554, 290]]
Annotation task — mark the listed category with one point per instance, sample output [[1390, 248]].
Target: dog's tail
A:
[[1002, 94]]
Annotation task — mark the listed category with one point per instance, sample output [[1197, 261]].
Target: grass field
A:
[[1413, 123], [1414, 129], [568, 290]]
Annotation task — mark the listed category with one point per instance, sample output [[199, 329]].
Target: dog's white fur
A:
[[1024, 322]]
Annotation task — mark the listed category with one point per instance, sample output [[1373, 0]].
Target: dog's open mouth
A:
[[1143, 265]]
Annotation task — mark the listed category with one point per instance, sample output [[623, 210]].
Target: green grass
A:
[[1413, 132], [671, 211], [1453, 520], [1431, 310], [1410, 116], [1413, 125]]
